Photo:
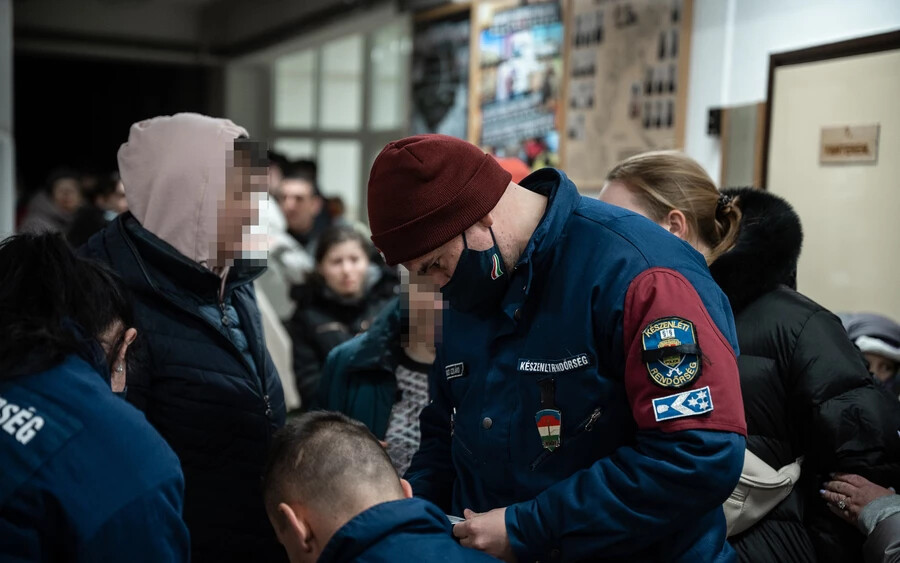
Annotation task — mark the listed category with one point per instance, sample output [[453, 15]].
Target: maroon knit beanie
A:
[[426, 190]]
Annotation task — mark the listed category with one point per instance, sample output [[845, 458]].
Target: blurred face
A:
[[344, 268], [300, 204], [116, 200], [245, 188], [425, 306], [275, 177], [66, 194], [882, 368]]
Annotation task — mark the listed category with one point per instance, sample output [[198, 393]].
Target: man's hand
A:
[[847, 494], [486, 532]]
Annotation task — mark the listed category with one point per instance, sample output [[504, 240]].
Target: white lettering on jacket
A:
[[560, 366], [23, 424]]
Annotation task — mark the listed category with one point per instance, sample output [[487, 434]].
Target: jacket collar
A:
[[562, 200], [412, 516], [766, 252], [146, 261], [379, 346]]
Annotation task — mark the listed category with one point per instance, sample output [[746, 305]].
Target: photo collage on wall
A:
[[624, 65], [521, 73], [660, 80], [440, 76]]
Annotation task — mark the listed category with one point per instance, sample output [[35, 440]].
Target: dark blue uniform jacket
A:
[[83, 476], [400, 530], [650, 443]]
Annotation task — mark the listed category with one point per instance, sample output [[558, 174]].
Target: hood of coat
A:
[[767, 249], [174, 172]]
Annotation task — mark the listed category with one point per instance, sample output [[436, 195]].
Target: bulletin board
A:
[[516, 77], [440, 71], [626, 92]]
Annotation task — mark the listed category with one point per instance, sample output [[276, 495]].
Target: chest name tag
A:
[[455, 370], [554, 366], [671, 352], [688, 403]]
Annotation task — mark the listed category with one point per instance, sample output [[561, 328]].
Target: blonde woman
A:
[[805, 387]]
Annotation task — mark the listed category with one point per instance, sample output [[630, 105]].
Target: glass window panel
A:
[[389, 58], [294, 78], [339, 173], [294, 148], [341, 86]]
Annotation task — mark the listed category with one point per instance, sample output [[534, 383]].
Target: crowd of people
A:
[[494, 367]]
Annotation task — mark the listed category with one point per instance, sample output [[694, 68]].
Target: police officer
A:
[[585, 399], [84, 478]]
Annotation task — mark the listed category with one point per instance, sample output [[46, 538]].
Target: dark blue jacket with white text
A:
[[83, 476], [651, 441]]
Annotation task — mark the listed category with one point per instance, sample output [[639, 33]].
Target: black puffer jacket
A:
[[322, 321], [806, 390], [215, 409]]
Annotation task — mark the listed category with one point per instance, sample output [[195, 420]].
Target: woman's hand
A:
[[847, 494]]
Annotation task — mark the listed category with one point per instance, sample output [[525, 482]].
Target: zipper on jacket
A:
[[221, 294], [589, 425], [586, 426], [225, 321], [260, 379]]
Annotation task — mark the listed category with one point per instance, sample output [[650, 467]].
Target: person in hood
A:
[[585, 398], [339, 301], [806, 389], [333, 497], [51, 210], [187, 250], [85, 478], [878, 338]]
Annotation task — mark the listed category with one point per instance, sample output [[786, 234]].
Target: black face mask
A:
[[479, 281]]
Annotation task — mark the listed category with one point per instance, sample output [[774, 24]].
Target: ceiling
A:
[[221, 27]]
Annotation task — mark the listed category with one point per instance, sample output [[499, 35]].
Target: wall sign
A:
[[857, 143]]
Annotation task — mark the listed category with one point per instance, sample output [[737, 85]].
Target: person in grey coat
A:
[[871, 508]]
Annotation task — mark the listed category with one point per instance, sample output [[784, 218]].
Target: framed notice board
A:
[[517, 73], [626, 83]]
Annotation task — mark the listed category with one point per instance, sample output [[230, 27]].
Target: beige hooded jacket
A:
[[174, 171]]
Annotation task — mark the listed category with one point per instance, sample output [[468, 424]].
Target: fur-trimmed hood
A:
[[767, 249]]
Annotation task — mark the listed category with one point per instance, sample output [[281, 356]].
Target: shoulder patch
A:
[[679, 405], [671, 352]]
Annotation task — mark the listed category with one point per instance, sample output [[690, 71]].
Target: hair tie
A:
[[723, 203]]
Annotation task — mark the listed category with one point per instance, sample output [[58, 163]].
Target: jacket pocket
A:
[[584, 427]]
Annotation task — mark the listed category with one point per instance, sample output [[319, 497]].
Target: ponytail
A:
[[727, 224]]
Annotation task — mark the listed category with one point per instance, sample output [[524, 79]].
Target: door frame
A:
[[852, 47]]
